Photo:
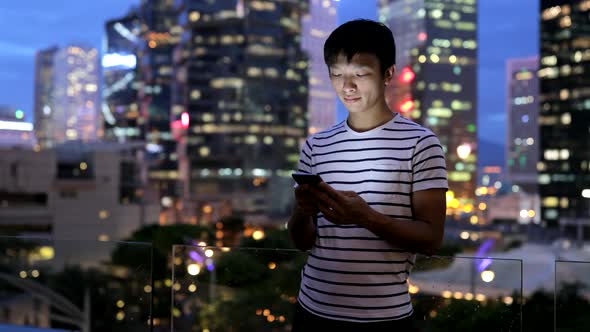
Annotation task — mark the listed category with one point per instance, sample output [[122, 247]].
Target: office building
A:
[[522, 123], [67, 95], [44, 87], [240, 104], [123, 121], [564, 165], [160, 34], [318, 23], [436, 84]]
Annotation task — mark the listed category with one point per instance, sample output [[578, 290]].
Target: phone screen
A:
[[303, 178]]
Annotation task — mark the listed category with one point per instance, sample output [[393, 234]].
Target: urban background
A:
[[147, 146]]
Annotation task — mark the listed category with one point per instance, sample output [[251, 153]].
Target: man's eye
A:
[[361, 74], [336, 75]]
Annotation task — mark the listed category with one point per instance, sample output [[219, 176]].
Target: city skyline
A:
[[516, 35]]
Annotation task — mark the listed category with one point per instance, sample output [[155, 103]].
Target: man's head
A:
[[361, 61], [361, 36]]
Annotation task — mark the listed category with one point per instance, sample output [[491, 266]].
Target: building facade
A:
[[240, 104], [44, 87], [318, 23], [436, 83], [160, 34], [123, 121], [15, 131], [76, 191], [523, 123], [564, 165], [67, 95]]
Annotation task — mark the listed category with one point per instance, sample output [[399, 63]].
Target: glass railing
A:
[[234, 289], [467, 293], [572, 295], [48, 285], [249, 289]]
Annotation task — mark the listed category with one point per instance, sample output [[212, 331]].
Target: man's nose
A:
[[348, 85]]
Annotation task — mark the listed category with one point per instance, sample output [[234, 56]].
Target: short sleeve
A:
[[428, 164], [305, 162]]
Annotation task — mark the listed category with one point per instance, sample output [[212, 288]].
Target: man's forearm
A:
[[302, 230], [414, 235]]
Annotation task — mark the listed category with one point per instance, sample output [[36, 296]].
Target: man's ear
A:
[[389, 72]]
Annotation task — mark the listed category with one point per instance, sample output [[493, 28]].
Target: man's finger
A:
[[328, 212], [324, 199], [333, 193]]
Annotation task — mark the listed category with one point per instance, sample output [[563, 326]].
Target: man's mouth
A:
[[351, 99]]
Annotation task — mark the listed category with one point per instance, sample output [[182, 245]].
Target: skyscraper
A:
[[44, 85], [240, 104], [67, 95], [317, 24], [76, 96], [122, 119], [564, 166], [160, 33], [523, 125], [437, 79]]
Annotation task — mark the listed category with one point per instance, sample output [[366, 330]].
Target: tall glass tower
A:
[[240, 104], [436, 81], [564, 166]]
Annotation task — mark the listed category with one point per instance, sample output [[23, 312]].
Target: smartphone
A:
[[304, 178]]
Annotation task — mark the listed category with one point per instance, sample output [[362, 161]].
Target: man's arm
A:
[[423, 234], [302, 229]]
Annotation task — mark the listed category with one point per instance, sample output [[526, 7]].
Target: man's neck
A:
[[370, 119]]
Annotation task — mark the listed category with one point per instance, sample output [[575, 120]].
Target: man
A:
[[382, 199]]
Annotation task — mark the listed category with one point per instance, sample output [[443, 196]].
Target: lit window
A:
[[204, 151], [251, 139], [194, 16], [551, 13], [195, 94], [551, 154], [564, 94], [564, 154], [436, 13], [549, 60], [544, 179]]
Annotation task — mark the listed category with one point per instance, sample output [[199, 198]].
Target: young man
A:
[[382, 199]]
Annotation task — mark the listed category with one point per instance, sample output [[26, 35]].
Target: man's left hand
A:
[[341, 207]]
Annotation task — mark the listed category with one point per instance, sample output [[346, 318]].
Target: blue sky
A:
[[507, 29]]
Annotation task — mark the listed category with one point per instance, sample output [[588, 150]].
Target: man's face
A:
[[360, 84]]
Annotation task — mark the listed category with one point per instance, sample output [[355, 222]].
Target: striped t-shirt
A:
[[351, 274]]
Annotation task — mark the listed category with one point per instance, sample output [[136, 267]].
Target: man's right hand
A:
[[306, 201]]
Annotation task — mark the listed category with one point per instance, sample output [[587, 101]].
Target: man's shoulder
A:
[[402, 123], [330, 131]]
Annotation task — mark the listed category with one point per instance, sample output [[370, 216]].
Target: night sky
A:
[[507, 29]]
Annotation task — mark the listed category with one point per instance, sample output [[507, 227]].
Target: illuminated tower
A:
[[44, 86], [75, 111], [564, 165], [523, 122], [240, 104], [437, 78], [122, 119], [317, 24]]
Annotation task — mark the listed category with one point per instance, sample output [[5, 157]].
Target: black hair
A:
[[361, 36]]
